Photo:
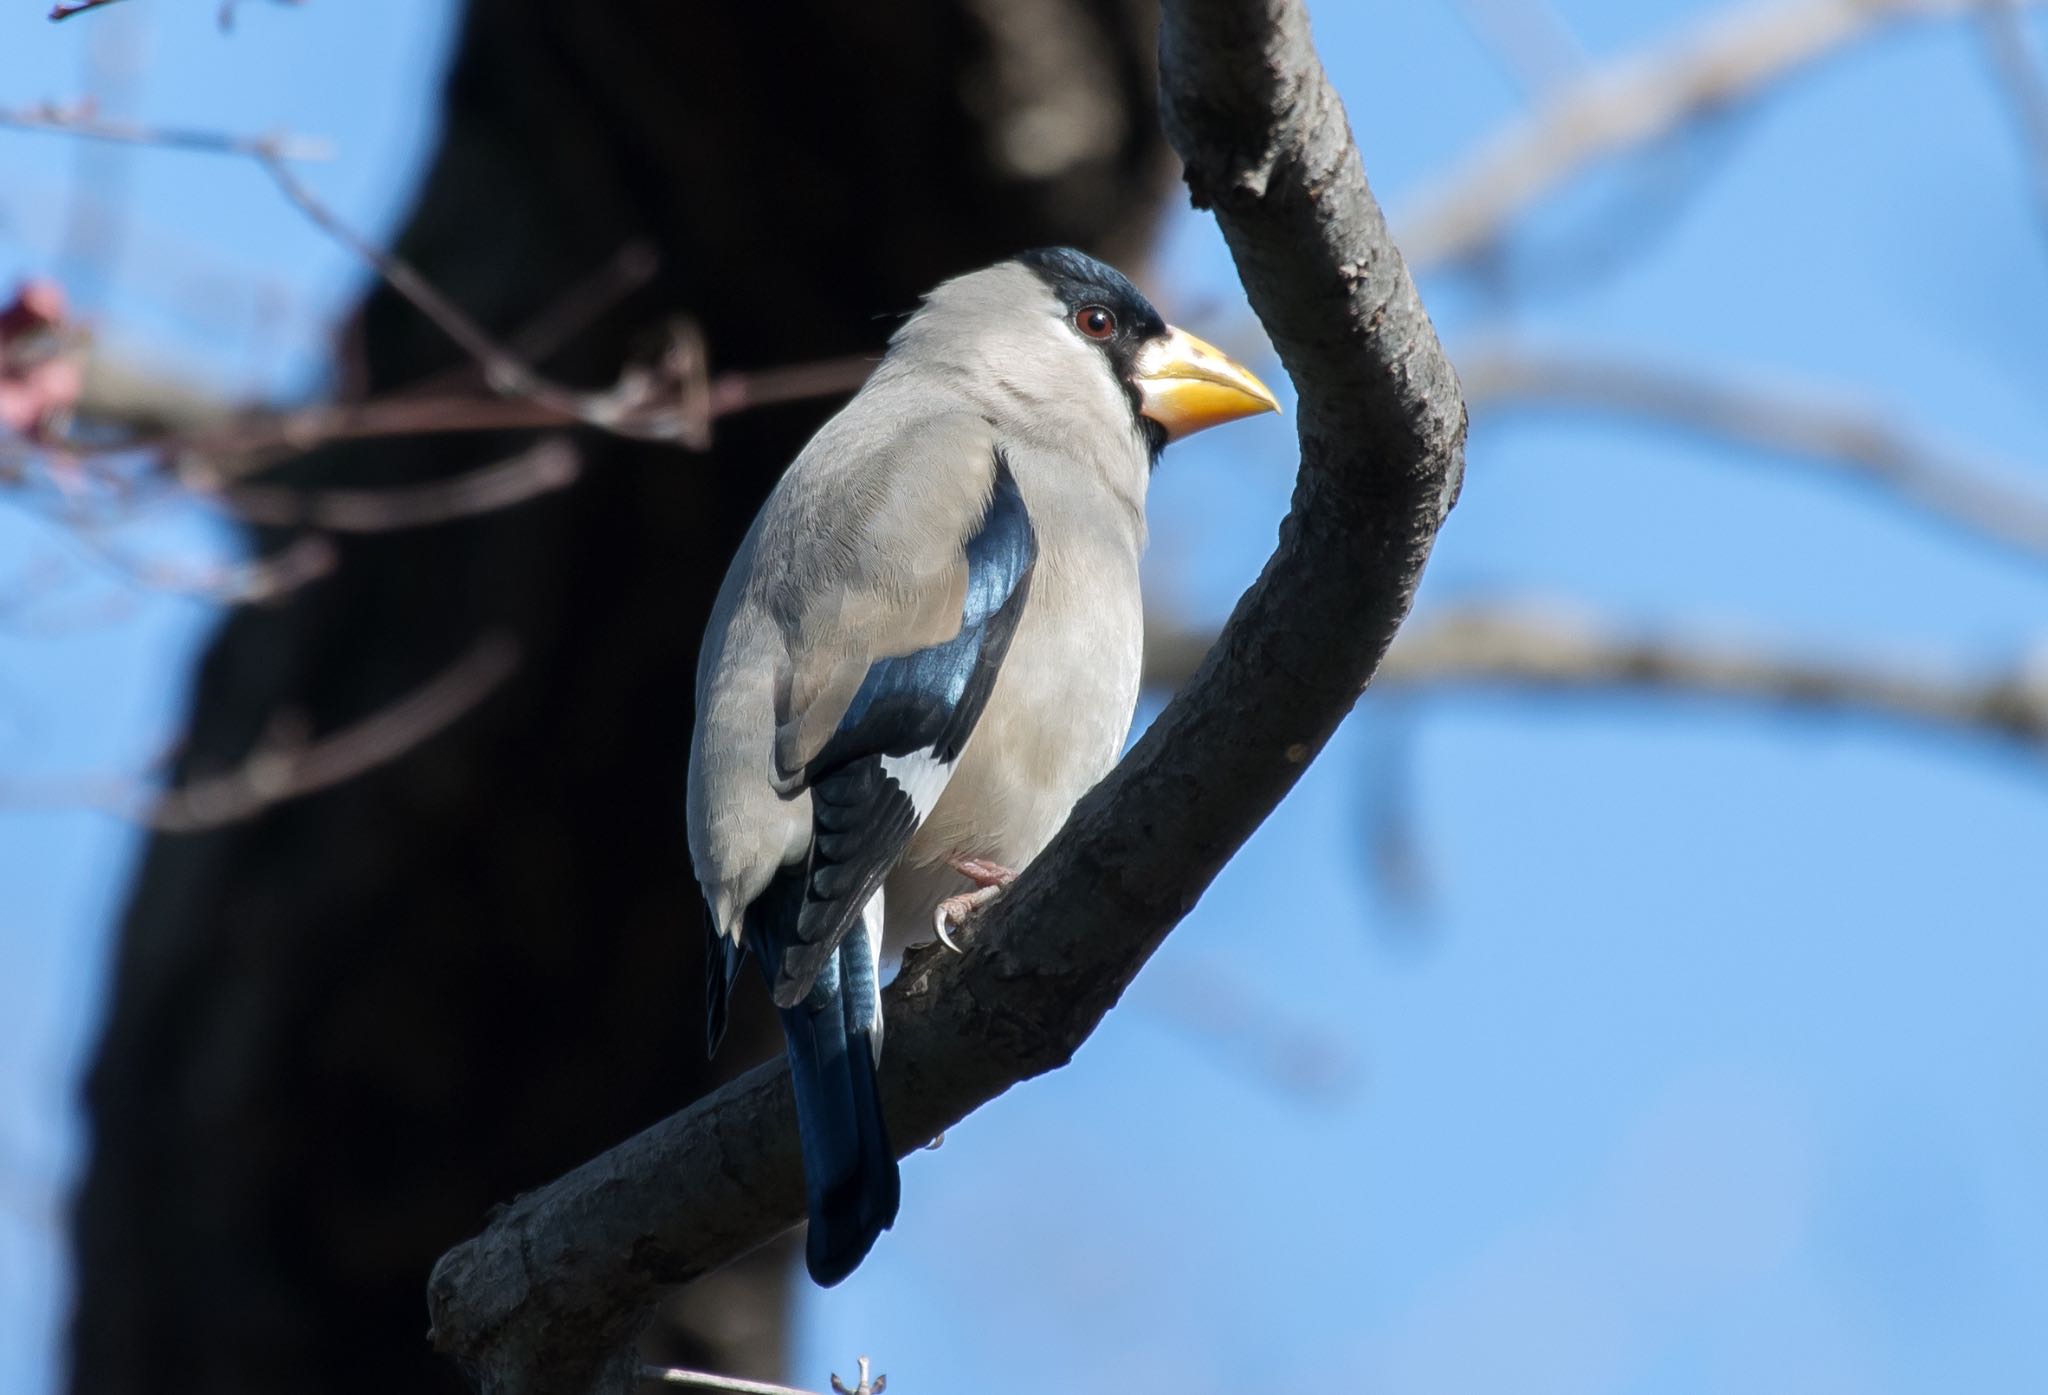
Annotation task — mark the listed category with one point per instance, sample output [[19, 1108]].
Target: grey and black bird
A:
[[926, 649]]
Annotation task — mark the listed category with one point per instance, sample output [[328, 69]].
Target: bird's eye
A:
[[1095, 322]]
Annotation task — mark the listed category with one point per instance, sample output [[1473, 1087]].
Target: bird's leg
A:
[[981, 871], [989, 879]]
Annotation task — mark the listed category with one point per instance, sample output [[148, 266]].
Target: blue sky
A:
[[1709, 1059]]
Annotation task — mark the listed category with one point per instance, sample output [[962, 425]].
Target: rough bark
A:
[[548, 1297], [340, 1031]]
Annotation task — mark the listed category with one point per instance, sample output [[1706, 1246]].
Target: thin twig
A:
[[575, 309], [285, 765], [503, 370], [1941, 483], [672, 405], [79, 119], [548, 466], [2019, 73], [1731, 56], [257, 439], [238, 448], [1530, 39], [669, 405], [256, 581], [67, 8]]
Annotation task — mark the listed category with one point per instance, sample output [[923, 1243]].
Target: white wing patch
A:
[[922, 776]]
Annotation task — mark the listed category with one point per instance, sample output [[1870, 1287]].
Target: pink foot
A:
[[981, 871], [989, 879]]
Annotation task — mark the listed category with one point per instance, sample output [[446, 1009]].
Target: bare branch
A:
[[1561, 656], [79, 119], [675, 404], [1940, 483], [64, 9], [503, 370], [1548, 651], [677, 400], [573, 311], [257, 581], [551, 465], [1731, 56], [157, 410], [237, 447], [635, 407], [143, 400], [548, 1297], [666, 405], [1530, 39], [2026, 88], [285, 765]]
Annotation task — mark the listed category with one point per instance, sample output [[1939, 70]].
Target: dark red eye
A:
[[1095, 322]]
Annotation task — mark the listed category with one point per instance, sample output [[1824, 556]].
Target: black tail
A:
[[850, 1180]]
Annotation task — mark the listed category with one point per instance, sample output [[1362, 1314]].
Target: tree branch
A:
[[287, 763], [1730, 56], [81, 121], [1533, 651], [666, 402], [2026, 88], [549, 465], [1530, 40], [64, 9], [1960, 491], [548, 1298]]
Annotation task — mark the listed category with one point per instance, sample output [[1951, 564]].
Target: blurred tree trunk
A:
[[338, 1033]]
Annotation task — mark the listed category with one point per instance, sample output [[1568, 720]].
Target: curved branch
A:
[[547, 1298]]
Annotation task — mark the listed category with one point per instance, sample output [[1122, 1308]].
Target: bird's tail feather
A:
[[850, 1179]]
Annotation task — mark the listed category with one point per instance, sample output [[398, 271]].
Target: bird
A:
[[925, 650]]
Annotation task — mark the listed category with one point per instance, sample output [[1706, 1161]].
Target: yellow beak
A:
[[1186, 385]]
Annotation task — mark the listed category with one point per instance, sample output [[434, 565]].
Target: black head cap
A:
[[1079, 280]]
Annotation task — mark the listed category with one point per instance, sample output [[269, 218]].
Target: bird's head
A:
[[1177, 384], [1056, 330]]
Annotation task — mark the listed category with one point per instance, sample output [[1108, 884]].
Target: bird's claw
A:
[[865, 1387], [989, 879], [954, 910], [942, 923]]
